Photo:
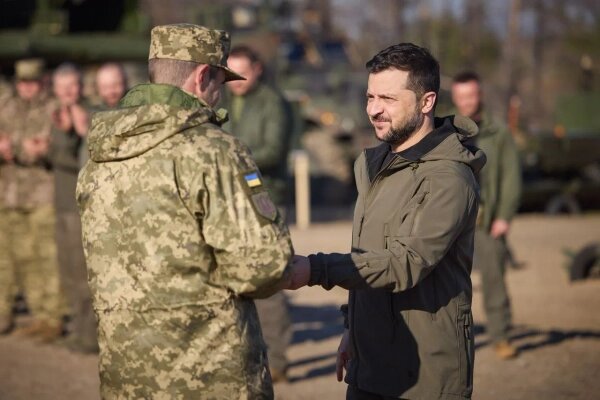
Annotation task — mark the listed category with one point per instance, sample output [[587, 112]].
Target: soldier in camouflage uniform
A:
[[179, 233], [27, 247]]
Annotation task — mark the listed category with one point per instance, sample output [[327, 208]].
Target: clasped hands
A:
[[299, 275]]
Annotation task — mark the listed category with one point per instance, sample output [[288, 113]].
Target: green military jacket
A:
[[500, 179], [409, 308], [264, 124], [25, 183], [179, 236]]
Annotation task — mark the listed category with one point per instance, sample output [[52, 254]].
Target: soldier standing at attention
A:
[[260, 117], [180, 233], [500, 182], [27, 246], [70, 127]]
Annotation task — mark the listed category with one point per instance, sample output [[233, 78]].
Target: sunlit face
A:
[[111, 85], [249, 70], [28, 89], [394, 110], [67, 88], [466, 96]]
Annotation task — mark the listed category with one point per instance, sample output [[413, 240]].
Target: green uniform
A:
[[409, 309], [27, 246], [64, 154], [500, 182], [180, 235], [261, 119]]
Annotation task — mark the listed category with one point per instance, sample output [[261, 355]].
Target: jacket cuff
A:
[[317, 269]]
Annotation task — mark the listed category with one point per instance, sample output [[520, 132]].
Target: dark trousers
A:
[[73, 274], [276, 325], [490, 257], [354, 393]]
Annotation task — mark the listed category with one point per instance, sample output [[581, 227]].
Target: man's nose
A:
[[374, 108]]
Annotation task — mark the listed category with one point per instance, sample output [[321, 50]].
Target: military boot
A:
[[6, 324], [505, 350], [49, 332]]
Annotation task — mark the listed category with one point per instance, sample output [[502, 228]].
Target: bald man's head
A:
[[111, 83]]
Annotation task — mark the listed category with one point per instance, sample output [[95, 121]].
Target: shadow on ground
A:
[[316, 323], [529, 339]]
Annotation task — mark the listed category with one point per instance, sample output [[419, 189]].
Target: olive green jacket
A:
[[265, 126], [179, 236], [500, 179], [409, 308]]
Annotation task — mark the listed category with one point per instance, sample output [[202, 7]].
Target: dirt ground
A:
[[557, 329]]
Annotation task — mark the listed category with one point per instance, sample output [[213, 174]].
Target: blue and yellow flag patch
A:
[[253, 179]]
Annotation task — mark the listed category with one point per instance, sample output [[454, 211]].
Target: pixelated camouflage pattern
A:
[[188, 42], [176, 249], [26, 183], [29, 69]]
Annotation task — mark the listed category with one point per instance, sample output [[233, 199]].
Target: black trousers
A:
[[354, 393]]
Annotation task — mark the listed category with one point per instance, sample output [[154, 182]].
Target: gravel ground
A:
[[557, 329]]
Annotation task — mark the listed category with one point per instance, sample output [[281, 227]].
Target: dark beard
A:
[[398, 135]]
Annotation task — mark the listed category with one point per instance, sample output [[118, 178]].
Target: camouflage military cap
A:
[[30, 69], [188, 42]]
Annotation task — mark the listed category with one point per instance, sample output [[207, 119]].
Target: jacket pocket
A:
[[465, 347]]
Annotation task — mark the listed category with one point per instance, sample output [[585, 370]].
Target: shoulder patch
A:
[[264, 205], [253, 179]]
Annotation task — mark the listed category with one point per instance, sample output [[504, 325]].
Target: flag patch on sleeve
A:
[[253, 179]]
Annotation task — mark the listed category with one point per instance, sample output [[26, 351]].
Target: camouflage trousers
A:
[[490, 257], [28, 262]]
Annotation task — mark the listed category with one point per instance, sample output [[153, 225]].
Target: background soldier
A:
[[260, 116], [180, 233], [70, 126], [27, 247], [500, 182], [111, 85]]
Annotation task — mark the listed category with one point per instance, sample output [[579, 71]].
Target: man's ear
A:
[[201, 77], [428, 102]]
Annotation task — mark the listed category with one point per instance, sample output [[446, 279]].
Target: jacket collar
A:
[[376, 156]]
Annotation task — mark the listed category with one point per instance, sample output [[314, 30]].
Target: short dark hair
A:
[[247, 52], [423, 69], [466, 76]]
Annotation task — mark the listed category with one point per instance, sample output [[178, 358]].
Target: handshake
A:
[[299, 275]]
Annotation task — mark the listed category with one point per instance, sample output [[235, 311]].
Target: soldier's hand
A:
[[62, 119], [499, 228], [6, 148], [80, 119], [300, 273], [344, 354]]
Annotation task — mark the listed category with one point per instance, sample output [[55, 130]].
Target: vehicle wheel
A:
[[562, 204], [586, 263]]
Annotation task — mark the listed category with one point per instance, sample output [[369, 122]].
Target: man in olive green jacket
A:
[[409, 312], [500, 182], [259, 116]]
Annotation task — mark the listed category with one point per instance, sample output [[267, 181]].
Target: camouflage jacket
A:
[[25, 182], [179, 236]]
